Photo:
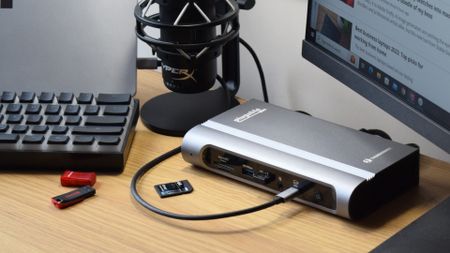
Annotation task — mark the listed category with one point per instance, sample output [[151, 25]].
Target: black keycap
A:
[[46, 97], [72, 110], [1, 107], [105, 120], [33, 109], [60, 130], [8, 97], [108, 140], [58, 139], [83, 140], [116, 110], [27, 97], [15, 119], [54, 120], [65, 98], [34, 119], [53, 109], [113, 99], [98, 130], [39, 129], [73, 120], [3, 128], [33, 139], [20, 129], [13, 108], [9, 138], [85, 98], [91, 110]]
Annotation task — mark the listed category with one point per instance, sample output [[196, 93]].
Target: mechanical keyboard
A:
[[49, 131]]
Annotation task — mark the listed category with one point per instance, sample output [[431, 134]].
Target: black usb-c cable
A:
[[282, 197]]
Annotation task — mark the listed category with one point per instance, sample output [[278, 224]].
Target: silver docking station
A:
[[273, 148]]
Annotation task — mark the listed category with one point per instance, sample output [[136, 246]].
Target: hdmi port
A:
[[224, 167]]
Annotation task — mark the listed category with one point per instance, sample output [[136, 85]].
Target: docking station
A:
[[273, 148]]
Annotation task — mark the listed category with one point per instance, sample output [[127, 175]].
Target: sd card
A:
[[173, 189]]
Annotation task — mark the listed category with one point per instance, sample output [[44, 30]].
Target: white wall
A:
[[275, 29]]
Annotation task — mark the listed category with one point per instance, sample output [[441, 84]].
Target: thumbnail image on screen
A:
[[349, 2], [334, 27]]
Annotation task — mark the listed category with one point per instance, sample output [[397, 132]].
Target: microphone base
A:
[[174, 114]]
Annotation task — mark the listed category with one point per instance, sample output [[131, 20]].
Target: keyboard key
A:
[[83, 140], [116, 110], [92, 110], [9, 138], [8, 97], [108, 140], [34, 119], [54, 120], [85, 98], [33, 109], [97, 130], [39, 129], [53, 109], [65, 98], [73, 120], [72, 110], [1, 118], [3, 128], [60, 130], [58, 139], [113, 99], [33, 139], [27, 97], [106, 120], [14, 109], [15, 119], [1, 107], [46, 97], [20, 129]]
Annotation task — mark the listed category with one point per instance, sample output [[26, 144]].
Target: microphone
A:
[[192, 34], [180, 72]]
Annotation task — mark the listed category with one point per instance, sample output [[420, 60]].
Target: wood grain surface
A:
[[112, 221]]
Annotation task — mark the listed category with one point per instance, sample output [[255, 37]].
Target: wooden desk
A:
[[112, 222]]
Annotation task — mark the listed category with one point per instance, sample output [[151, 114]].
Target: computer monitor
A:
[[394, 53]]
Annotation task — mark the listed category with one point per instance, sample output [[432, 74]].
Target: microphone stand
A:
[[175, 113]]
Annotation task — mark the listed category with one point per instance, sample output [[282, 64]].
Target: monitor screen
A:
[[395, 53]]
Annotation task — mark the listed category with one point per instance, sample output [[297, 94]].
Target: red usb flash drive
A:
[[73, 197], [74, 178]]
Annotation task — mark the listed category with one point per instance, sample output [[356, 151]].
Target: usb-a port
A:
[[248, 171], [260, 176]]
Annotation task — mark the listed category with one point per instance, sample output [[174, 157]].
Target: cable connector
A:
[[295, 190]]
